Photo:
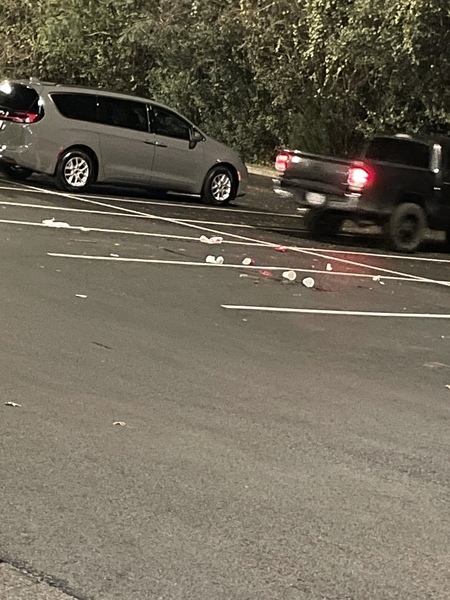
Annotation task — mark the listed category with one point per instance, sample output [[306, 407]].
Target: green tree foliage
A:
[[317, 74]]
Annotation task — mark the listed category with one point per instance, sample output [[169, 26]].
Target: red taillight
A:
[[359, 177], [281, 161], [19, 116]]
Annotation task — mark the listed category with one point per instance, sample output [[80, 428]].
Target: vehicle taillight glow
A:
[[19, 116], [359, 177], [281, 161]]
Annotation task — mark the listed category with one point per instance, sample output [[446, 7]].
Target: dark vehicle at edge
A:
[[401, 183]]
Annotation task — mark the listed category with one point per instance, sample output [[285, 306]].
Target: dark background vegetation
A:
[[319, 75]]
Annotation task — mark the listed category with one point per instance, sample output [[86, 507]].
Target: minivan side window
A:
[[128, 114], [82, 107], [167, 123]]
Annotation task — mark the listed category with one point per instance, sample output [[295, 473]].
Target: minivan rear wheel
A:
[[15, 172], [75, 171]]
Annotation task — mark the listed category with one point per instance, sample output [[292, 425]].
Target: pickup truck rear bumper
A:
[[350, 203]]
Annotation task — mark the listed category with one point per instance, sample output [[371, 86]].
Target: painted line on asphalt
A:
[[144, 201], [135, 216], [261, 244], [127, 200], [381, 255], [186, 263], [298, 248], [247, 239], [126, 232], [341, 313]]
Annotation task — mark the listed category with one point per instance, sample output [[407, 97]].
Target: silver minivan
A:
[[82, 136]]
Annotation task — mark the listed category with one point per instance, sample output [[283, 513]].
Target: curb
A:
[[263, 171]]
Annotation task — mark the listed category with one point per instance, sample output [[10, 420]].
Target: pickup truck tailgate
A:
[[316, 173]]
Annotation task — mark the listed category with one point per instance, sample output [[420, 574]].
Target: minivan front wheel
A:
[[75, 171], [219, 186]]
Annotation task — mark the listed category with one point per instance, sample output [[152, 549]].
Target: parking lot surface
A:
[[176, 428]]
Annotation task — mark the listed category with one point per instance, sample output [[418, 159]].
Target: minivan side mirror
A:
[[196, 137]]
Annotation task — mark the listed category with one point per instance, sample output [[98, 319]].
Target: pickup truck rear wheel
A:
[[406, 227], [322, 224]]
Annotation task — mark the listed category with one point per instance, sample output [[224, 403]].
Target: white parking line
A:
[[145, 216], [342, 313], [127, 232], [186, 263], [257, 244], [125, 215], [381, 255], [144, 201], [193, 206], [184, 223]]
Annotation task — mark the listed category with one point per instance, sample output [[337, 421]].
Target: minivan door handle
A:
[[156, 144]]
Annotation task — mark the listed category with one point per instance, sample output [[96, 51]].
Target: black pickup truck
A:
[[401, 183]]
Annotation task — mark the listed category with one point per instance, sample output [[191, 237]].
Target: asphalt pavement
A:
[[176, 429]]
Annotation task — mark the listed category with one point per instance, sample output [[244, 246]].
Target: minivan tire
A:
[[406, 227], [219, 187], [322, 224], [75, 171], [15, 172]]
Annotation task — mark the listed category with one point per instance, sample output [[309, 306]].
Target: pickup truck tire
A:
[[406, 227], [322, 224]]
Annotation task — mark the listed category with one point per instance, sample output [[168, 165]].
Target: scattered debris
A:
[[53, 223], [102, 345], [376, 278], [114, 255], [245, 320], [119, 423], [248, 261], [267, 273], [13, 404], [329, 267], [281, 249], [214, 260], [244, 275], [215, 239], [177, 252], [436, 365], [308, 282], [80, 295], [448, 387], [289, 275]]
